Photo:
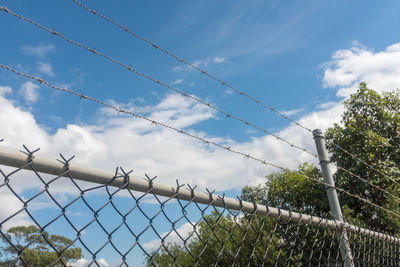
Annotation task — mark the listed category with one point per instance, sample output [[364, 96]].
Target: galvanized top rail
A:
[[15, 158]]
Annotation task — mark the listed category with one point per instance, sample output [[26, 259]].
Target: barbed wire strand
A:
[[52, 31], [126, 29], [226, 84], [203, 140], [164, 84]]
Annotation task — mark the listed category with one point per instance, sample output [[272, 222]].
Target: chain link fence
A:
[[58, 213]]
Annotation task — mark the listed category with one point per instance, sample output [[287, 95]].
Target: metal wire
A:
[[240, 92], [203, 140], [182, 60], [132, 232], [157, 81]]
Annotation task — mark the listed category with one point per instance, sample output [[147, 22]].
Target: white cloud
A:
[[83, 263], [228, 92], [45, 68], [29, 91], [13, 204], [135, 144], [177, 68], [348, 67], [179, 81], [219, 60], [5, 90], [208, 61], [292, 112], [178, 236], [38, 50], [200, 63], [22, 127]]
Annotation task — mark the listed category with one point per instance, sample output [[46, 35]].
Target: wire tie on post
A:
[[126, 177], [240, 202], [178, 186], [210, 194], [255, 207], [222, 198], [65, 161], [279, 213], [191, 190], [116, 175], [29, 153]]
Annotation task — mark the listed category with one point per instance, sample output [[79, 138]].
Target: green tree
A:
[[36, 251], [291, 190], [369, 129], [226, 240]]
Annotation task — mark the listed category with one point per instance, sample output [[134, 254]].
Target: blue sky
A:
[[301, 57], [273, 50]]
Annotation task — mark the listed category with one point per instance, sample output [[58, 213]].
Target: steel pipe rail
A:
[[15, 158]]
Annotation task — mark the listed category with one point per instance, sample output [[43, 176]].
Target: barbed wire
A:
[[203, 140], [226, 84], [182, 60], [190, 96], [164, 84]]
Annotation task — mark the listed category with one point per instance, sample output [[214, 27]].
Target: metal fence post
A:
[[345, 249]]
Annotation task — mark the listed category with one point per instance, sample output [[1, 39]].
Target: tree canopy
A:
[[38, 248], [370, 130]]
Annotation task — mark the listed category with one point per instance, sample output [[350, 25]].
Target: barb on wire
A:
[[226, 84], [203, 140], [161, 83]]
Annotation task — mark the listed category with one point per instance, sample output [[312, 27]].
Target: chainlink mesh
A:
[[65, 219]]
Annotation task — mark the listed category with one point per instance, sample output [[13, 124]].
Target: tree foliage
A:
[[226, 240], [369, 129], [291, 190], [36, 251]]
